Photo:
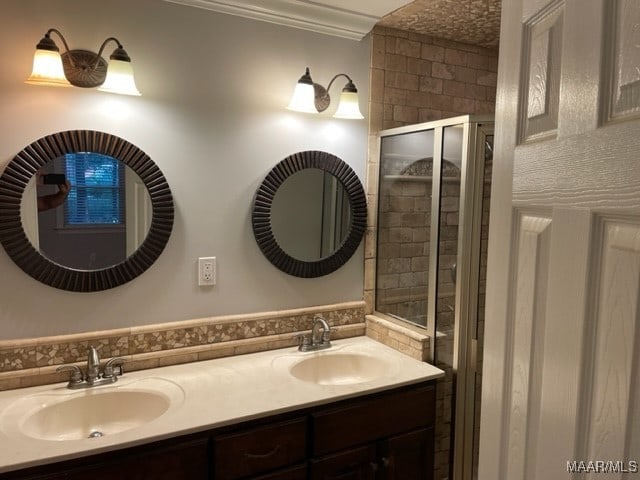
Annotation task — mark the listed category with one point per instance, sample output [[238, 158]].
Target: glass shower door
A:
[[433, 205], [404, 226]]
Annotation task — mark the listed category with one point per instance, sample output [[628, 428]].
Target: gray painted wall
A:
[[212, 117]]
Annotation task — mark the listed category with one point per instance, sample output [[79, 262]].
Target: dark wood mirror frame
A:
[[24, 166], [261, 213]]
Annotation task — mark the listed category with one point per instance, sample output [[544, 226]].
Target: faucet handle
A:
[[113, 367], [76, 373], [304, 341]]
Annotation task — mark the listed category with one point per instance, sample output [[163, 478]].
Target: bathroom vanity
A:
[[356, 410]]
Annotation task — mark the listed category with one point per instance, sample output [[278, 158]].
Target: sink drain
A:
[[95, 434]]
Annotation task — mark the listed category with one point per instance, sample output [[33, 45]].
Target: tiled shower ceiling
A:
[[469, 21]]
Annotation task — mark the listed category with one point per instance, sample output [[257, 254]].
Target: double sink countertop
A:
[[51, 423]]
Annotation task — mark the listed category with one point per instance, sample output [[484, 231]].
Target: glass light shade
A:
[[119, 79], [348, 106], [47, 69], [303, 99]]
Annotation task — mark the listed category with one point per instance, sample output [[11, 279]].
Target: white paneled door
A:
[[561, 388]]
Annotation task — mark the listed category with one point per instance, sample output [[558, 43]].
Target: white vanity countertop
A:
[[204, 395]]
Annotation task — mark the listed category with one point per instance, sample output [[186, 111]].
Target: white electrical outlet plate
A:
[[206, 271]]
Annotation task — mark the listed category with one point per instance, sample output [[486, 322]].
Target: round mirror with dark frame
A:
[[84, 211], [309, 214]]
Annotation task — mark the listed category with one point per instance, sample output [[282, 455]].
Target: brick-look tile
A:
[[405, 113], [489, 79], [442, 102], [433, 53], [477, 92], [441, 70], [418, 66], [466, 75], [453, 56], [395, 32], [377, 51], [390, 44], [484, 107], [395, 63], [454, 88], [406, 81], [408, 48], [428, 114], [456, 45], [376, 84], [419, 99], [375, 116], [431, 85], [395, 96], [477, 60]]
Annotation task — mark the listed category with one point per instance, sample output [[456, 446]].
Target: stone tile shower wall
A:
[[417, 78], [404, 229]]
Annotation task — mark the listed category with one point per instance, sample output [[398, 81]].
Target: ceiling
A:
[[469, 21]]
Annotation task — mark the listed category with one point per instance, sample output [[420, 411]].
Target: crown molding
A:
[[294, 13]]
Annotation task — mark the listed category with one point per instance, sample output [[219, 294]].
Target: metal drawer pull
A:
[[254, 456]]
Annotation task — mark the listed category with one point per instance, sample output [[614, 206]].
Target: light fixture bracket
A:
[[322, 98], [84, 68]]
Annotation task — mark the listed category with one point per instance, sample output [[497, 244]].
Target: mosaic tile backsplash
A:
[[31, 362]]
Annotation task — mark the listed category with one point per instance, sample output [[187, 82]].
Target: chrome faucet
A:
[[93, 365], [320, 336], [112, 370]]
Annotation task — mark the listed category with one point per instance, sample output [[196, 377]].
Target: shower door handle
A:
[[454, 269]]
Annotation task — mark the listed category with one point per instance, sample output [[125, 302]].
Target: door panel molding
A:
[[530, 290], [540, 79], [610, 380]]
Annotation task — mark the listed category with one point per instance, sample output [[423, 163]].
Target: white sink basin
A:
[[92, 413], [339, 368]]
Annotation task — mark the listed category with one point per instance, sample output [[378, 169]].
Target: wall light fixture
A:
[[82, 68], [311, 97]]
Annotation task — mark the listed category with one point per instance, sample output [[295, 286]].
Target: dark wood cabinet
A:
[[176, 460], [258, 450], [355, 464], [409, 455], [395, 432], [381, 436]]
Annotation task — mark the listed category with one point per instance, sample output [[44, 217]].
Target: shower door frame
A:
[[475, 130]]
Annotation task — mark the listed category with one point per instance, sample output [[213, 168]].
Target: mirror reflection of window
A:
[[97, 196], [104, 219]]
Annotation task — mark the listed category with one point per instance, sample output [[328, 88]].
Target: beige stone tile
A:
[[142, 364], [218, 352], [9, 383], [396, 63], [18, 343], [377, 50], [176, 359], [369, 297], [435, 53], [408, 47]]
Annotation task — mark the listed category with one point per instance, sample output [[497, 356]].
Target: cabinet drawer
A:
[[366, 421], [259, 450]]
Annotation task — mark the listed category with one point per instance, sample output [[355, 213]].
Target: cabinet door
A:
[[409, 455], [356, 464]]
